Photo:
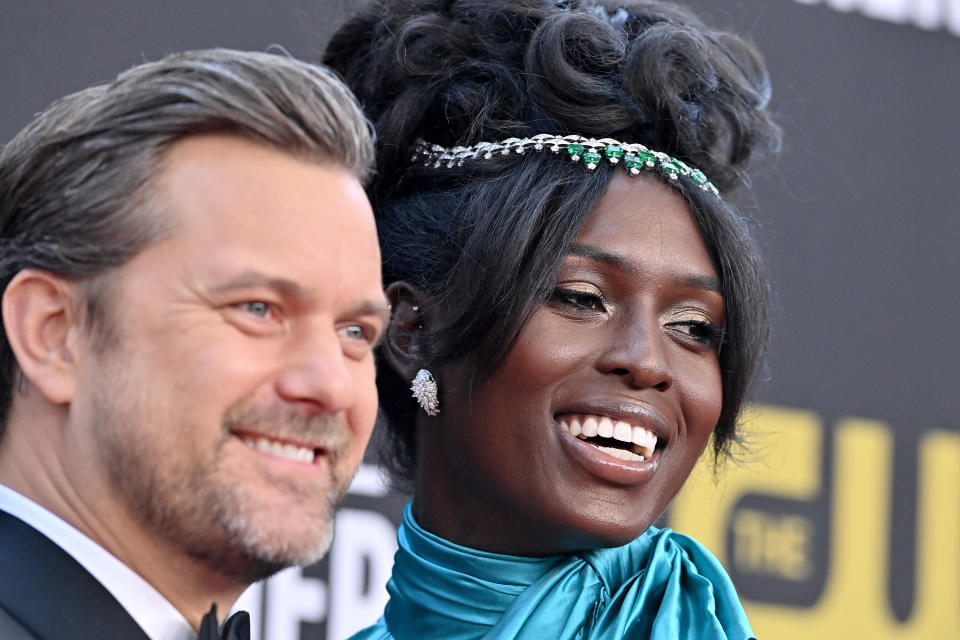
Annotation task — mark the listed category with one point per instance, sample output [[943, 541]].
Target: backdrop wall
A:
[[845, 518]]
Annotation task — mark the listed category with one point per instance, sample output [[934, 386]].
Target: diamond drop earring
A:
[[424, 389]]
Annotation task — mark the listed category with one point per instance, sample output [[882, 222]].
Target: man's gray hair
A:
[[76, 188]]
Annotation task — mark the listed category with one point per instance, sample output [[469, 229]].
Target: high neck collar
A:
[[446, 581], [660, 586]]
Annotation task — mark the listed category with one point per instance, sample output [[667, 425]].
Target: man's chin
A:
[[249, 563], [271, 523], [311, 548], [260, 553]]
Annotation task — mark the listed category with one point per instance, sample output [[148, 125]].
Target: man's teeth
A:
[[585, 427], [281, 449]]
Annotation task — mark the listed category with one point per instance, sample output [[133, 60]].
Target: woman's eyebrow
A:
[[602, 256]]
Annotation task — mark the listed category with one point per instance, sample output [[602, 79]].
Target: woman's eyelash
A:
[[702, 332], [578, 299]]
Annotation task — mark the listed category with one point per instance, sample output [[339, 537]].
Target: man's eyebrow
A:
[[373, 308], [289, 288], [379, 308], [602, 256], [251, 278]]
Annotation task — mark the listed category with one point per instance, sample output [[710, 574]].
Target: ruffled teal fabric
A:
[[662, 586]]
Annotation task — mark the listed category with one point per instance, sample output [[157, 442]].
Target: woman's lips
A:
[[617, 440], [605, 465], [639, 442]]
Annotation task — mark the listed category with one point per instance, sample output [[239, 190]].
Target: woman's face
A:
[[625, 353]]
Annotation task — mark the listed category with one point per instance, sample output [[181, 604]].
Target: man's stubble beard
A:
[[197, 503]]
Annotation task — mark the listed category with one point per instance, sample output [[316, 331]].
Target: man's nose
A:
[[316, 370]]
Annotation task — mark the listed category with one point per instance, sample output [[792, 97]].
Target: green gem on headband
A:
[[592, 151]]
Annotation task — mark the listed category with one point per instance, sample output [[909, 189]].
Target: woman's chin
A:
[[587, 533]]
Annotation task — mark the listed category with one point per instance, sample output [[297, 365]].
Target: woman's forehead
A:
[[641, 224]]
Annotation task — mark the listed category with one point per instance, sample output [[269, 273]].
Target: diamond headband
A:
[[591, 150]]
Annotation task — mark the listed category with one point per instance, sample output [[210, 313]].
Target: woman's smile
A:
[[635, 429], [620, 439], [584, 433]]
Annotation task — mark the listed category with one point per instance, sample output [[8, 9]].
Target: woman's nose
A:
[[638, 352]]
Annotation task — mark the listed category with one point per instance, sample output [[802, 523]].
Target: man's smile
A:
[[282, 448]]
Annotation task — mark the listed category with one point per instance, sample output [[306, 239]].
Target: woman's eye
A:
[[578, 299], [701, 332]]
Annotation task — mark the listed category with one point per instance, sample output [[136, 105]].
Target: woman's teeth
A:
[[643, 441], [622, 454], [281, 449]]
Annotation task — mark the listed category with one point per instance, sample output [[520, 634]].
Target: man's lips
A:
[[280, 447]]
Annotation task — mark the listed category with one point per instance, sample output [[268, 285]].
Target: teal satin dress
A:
[[662, 586]]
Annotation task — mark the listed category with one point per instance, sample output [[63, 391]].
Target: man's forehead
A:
[[225, 185]]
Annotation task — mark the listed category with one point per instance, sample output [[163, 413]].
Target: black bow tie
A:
[[237, 626]]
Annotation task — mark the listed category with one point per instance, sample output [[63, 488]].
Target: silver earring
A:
[[424, 389]]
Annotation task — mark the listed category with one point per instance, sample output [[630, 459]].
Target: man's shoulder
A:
[[20, 546], [46, 591], [16, 539], [10, 629]]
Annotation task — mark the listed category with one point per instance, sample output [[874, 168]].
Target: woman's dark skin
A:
[[631, 332]]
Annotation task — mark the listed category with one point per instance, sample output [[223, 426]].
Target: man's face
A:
[[228, 396]]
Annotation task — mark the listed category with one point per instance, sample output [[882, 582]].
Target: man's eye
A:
[[354, 332], [256, 308]]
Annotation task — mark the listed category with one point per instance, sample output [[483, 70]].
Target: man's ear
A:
[[41, 324], [405, 345]]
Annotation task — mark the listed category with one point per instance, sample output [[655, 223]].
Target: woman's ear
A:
[[405, 345]]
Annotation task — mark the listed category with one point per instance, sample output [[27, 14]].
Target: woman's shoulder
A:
[[664, 578], [656, 547], [376, 631]]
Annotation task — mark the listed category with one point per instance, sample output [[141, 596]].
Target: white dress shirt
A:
[[155, 615]]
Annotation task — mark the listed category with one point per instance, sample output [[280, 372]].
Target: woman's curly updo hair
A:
[[485, 241]]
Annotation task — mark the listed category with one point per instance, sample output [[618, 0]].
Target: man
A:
[[191, 296]]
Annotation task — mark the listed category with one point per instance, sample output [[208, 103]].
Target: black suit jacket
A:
[[47, 595]]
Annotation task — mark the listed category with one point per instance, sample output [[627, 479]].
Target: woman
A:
[[577, 307]]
